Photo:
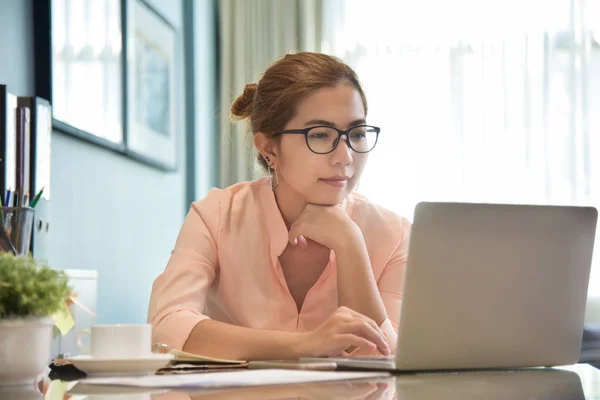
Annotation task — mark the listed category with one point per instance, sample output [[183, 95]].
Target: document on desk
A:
[[232, 379]]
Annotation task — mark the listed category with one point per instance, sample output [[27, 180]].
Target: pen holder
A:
[[18, 227]]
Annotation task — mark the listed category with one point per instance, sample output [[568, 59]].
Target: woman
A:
[[295, 265]]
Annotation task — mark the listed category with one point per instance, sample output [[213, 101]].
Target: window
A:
[[87, 76], [480, 101]]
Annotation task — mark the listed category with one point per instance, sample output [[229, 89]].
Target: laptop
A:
[[492, 286]]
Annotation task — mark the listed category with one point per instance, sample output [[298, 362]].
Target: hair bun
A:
[[242, 106]]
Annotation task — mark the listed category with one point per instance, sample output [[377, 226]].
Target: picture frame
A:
[[151, 84], [138, 134]]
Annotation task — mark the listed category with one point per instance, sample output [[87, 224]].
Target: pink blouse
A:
[[225, 266]]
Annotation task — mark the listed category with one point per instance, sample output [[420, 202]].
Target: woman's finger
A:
[[348, 339], [302, 242], [341, 353], [366, 331], [294, 233], [358, 315]]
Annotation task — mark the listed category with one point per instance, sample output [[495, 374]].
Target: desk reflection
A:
[[533, 384], [380, 389]]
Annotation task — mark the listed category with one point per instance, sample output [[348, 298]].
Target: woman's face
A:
[[324, 179]]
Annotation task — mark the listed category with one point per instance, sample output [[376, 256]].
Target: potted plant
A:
[[30, 293]]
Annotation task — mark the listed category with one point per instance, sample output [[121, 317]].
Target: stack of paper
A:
[[233, 379]]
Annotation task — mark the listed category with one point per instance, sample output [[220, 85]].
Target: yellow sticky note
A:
[[55, 332], [63, 320], [56, 390]]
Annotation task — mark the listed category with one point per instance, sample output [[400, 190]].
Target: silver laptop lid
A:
[[491, 286]]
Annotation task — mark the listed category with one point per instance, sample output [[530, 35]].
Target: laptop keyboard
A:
[[371, 358]]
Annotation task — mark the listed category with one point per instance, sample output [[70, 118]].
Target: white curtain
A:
[[252, 35], [478, 100]]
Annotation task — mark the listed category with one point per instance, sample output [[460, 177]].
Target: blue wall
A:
[[107, 212]]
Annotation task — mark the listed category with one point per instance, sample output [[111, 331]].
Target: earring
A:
[[273, 184], [357, 186]]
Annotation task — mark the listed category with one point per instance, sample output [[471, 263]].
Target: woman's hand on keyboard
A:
[[345, 328]]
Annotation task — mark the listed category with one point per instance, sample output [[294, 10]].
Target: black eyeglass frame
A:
[[337, 142]]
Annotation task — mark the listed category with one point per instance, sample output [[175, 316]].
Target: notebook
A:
[[190, 358]]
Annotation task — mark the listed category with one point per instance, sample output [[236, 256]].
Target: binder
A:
[[8, 140], [23, 139], [40, 137]]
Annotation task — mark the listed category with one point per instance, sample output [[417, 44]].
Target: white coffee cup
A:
[[119, 341]]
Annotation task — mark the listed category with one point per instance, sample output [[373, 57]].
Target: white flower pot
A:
[[25, 345]]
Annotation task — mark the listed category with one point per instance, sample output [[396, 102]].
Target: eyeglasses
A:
[[325, 139]]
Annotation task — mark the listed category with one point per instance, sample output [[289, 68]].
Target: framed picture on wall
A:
[[151, 85], [108, 68]]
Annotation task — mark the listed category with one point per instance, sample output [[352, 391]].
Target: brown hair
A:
[[272, 102]]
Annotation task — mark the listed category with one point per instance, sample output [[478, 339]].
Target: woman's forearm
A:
[[220, 340], [357, 288]]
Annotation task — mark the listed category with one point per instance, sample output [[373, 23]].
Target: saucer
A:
[[120, 367], [83, 389]]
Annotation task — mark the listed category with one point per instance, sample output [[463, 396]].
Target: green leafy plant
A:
[[30, 289]]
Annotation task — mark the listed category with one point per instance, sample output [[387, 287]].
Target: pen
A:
[[16, 196], [7, 202], [2, 213], [37, 198]]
